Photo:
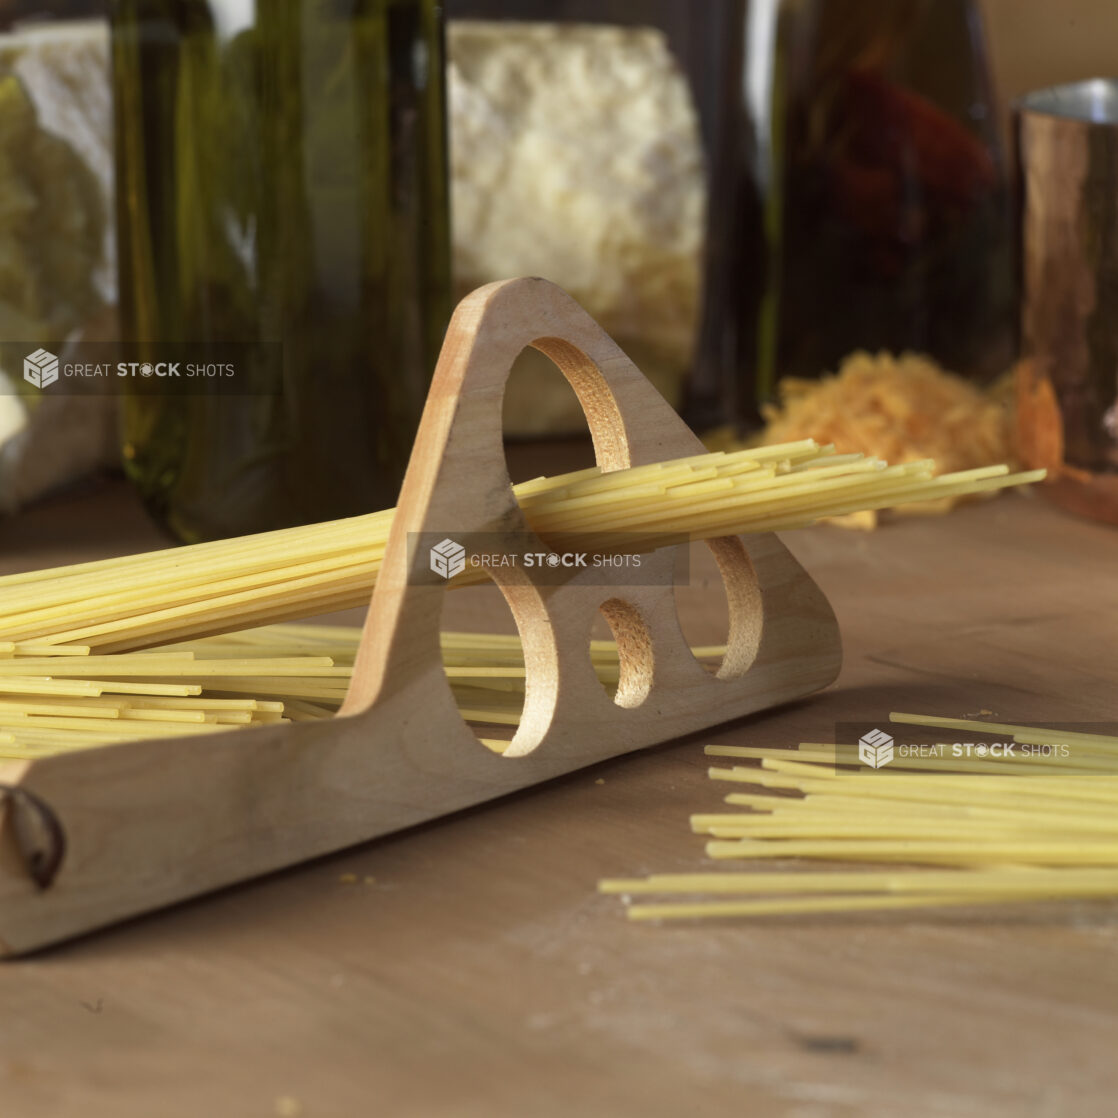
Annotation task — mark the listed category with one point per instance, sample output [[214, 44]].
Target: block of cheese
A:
[[576, 155]]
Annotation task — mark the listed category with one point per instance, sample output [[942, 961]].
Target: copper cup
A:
[[1067, 384]]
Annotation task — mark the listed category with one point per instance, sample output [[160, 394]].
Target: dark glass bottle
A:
[[282, 178], [887, 213]]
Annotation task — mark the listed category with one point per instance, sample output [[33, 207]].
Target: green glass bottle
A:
[[282, 186]]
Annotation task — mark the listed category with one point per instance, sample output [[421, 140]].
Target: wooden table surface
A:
[[468, 968]]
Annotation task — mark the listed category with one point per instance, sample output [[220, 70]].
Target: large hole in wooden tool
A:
[[719, 605], [544, 425], [621, 652], [557, 397]]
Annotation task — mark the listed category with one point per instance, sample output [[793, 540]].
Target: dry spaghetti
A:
[[254, 677], [186, 641], [157, 598], [999, 839]]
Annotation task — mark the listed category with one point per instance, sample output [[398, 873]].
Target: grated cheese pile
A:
[[901, 409]]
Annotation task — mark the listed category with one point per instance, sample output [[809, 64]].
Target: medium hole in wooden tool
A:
[[483, 657], [502, 669], [624, 662], [723, 629]]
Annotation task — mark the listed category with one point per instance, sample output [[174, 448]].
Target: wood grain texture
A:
[[477, 973], [154, 822]]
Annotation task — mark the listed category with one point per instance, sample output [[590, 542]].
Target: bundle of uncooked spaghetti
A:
[[997, 834], [186, 641], [280, 673], [153, 599]]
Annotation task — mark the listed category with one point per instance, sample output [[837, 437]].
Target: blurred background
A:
[[799, 217], [1033, 43]]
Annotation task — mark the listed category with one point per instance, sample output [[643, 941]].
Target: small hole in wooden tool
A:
[[719, 606], [624, 664]]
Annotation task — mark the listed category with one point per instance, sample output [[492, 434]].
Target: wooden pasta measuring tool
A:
[[93, 836]]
